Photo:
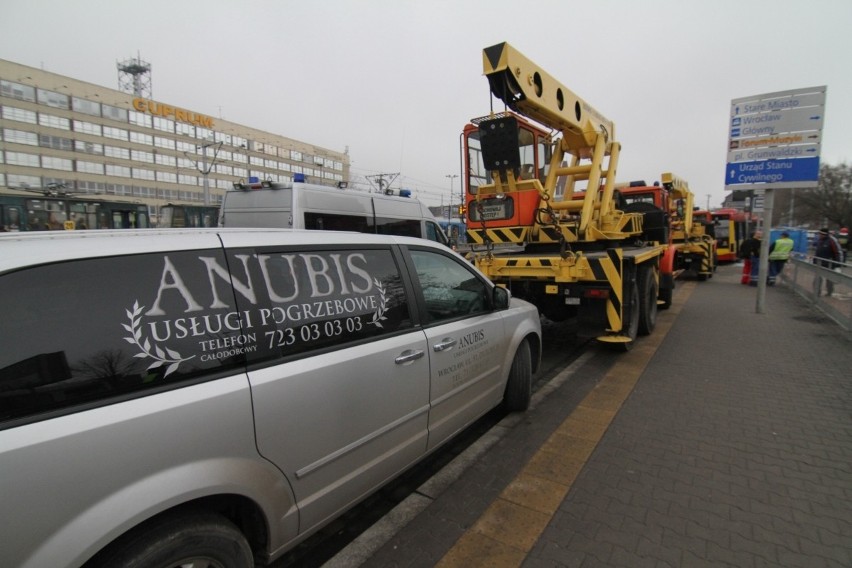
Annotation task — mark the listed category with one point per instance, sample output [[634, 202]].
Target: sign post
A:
[[774, 142]]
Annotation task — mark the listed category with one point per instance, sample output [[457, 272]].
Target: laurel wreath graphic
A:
[[379, 314], [161, 356]]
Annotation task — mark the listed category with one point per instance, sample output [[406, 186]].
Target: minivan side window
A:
[[87, 330], [318, 299], [450, 289]]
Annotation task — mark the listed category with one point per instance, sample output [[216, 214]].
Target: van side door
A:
[[340, 381], [466, 337]]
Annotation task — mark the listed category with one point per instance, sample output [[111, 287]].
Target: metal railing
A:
[[813, 283]]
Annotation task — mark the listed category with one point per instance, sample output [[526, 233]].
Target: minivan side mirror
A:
[[500, 298]]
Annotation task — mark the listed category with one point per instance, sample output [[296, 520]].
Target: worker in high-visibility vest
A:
[[779, 254]]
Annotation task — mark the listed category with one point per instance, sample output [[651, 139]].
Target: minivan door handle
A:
[[446, 343], [408, 356]]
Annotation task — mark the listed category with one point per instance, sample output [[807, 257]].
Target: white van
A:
[[299, 205]]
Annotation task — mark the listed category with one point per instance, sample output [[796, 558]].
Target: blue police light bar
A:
[[405, 193], [254, 179], [299, 178]]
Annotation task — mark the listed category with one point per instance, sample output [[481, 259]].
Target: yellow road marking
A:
[[506, 532]]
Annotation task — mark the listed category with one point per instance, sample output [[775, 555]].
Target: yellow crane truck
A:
[[542, 208], [671, 217]]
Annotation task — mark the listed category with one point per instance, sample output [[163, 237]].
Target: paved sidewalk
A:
[[734, 448]]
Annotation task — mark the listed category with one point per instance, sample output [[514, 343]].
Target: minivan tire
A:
[[204, 539], [519, 385]]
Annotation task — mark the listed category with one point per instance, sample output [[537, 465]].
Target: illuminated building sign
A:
[[166, 111]]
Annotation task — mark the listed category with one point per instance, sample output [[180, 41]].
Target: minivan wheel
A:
[[519, 385], [187, 541]]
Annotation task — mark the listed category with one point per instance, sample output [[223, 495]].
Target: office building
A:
[[66, 136]]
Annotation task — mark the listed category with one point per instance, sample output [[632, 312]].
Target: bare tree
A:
[[830, 203]]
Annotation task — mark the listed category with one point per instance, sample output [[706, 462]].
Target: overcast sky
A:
[[394, 81]]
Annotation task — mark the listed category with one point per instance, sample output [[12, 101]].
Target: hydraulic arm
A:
[[586, 150]]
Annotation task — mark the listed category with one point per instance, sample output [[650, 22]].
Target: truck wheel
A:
[[648, 301], [202, 540], [519, 386]]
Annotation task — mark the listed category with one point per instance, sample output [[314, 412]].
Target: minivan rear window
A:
[[88, 330]]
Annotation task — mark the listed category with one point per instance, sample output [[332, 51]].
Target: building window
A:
[[203, 133], [141, 173], [55, 142], [22, 159], [88, 147], [138, 156], [165, 160], [17, 91], [115, 152], [141, 119], [139, 138], [87, 127], [92, 186], [167, 177], [90, 167], [18, 180], [86, 107], [51, 163], [115, 113], [185, 129], [20, 137], [161, 142], [114, 170], [54, 121], [164, 124], [185, 179], [55, 100], [19, 114], [222, 137], [117, 133], [185, 146]]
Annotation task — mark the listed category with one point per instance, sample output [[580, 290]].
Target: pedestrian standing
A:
[[828, 255], [779, 254], [750, 253]]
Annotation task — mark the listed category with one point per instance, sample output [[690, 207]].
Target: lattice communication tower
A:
[[134, 76]]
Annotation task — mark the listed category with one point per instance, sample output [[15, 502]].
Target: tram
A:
[[180, 216], [731, 227], [25, 213]]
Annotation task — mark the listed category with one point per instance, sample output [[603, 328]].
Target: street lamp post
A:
[[450, 216], [204, 168]]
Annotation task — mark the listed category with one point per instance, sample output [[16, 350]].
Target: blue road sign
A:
[[773, 171]]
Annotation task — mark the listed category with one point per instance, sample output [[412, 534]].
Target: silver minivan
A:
[[174, 395]]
